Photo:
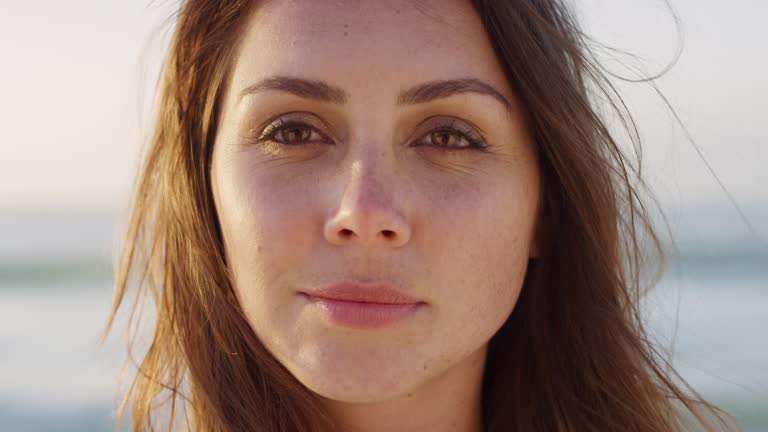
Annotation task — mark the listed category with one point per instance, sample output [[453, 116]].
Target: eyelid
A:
[[437, 122], [465, 128], [305, 118]]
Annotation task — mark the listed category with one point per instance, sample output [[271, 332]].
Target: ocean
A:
[[710, 310]]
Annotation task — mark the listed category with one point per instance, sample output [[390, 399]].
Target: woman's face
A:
[[374, 141]]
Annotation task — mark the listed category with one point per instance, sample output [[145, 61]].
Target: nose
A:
[[368, 212]]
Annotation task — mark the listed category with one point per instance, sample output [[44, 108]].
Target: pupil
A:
[[295, 134], [443, 138]]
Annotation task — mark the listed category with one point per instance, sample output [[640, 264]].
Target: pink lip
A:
[[363, 305]]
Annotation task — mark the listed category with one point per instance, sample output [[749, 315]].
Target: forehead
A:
[[367, 42]]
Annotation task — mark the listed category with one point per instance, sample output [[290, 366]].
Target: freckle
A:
[[346, 25], [346, 33]]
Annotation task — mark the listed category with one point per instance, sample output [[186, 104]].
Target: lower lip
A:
[[363, 315]]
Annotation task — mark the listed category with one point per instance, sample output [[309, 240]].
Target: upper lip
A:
[[377, 292]]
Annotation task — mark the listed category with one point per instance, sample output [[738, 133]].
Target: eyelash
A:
[[475, 140]]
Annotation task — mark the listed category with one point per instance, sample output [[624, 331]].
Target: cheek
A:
[[481, 250], [265, 222], [490, 265]]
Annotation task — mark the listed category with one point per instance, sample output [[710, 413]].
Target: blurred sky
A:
[[77, 78]]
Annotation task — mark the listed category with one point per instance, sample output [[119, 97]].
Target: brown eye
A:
[[449, 139], [452, 135], [293, 134]]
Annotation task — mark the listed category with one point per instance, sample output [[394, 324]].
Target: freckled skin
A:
[[462, 224]]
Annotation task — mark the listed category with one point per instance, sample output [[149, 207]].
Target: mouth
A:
[[363, 306], [382, 293]]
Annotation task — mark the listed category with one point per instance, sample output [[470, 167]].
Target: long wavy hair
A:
[[574, 355]]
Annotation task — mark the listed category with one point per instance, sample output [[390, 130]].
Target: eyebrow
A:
[[418, 94]]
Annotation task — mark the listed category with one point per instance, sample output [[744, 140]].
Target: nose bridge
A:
[[370, 180], [369, 209]]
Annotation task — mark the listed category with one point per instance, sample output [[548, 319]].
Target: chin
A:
[[356, 376], [357, 389]]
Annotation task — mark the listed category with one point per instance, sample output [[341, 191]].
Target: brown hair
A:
[[573, 355]]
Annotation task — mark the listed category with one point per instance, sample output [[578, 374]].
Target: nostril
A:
[[388, 234]]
